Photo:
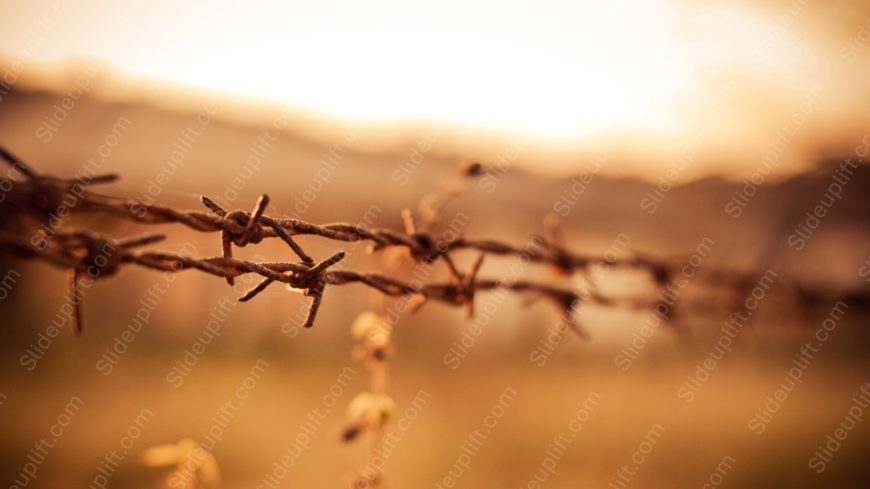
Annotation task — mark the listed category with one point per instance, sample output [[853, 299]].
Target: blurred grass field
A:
[[302, 369]]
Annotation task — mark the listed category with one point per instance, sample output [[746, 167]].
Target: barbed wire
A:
[[87, 253]]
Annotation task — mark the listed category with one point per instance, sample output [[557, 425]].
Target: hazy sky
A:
[[722, 77]]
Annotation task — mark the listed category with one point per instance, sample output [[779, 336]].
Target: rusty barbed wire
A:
[[86, 253]]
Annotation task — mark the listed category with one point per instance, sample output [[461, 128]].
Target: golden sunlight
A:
[[565, 73], [463, 243]]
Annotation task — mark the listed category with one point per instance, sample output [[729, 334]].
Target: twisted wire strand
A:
[[86, 252]]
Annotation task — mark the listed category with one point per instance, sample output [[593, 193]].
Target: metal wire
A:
[[88, 253]]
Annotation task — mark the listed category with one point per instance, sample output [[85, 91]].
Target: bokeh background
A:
[[636, 125]]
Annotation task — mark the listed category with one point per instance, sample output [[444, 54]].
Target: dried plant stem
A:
[[379, 378]]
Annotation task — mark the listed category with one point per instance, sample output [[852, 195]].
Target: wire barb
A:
[[98, 256]]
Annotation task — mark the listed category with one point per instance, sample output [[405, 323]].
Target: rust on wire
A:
[[92, 255]]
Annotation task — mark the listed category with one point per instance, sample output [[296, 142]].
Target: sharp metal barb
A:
[[256, 290], [292, 243], [255, 216], [316, 298], [16, 163], [143, 240], [76, 300], [213, 206], [227, 248], [332, 260], [73, 249], [98, 179]]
